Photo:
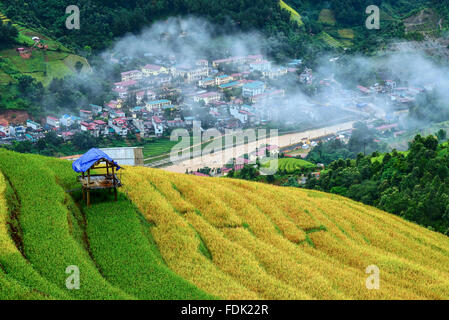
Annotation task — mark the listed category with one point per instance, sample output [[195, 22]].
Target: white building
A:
[[33, 125], [53, 122], [126, 156]]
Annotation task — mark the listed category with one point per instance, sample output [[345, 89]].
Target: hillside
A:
[[43, 65], [174, 236]]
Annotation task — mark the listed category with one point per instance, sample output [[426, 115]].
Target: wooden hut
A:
[[96, 160]]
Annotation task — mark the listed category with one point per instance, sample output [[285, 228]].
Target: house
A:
[[141, 95], [275, 73], [153, 70], [17, 130], [164, 103], [119, 126], [86, 115], [261, 66], [86, 126], [306, 76], [4, 128], [230, 85], [206, 82], [252, 89], [33, 125], [203, 63], [117, 114], [53, 122], [96, 110], [67, 135], [223, 79], [122, 93], [157, 125], [238, 60], [177, 123], [66, 120], [132, 75], [189, 73], [207, 97], [125, 84]]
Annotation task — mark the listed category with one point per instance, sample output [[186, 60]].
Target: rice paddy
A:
[[175, 236]]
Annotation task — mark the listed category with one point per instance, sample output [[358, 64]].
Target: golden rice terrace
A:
[[174, 236]]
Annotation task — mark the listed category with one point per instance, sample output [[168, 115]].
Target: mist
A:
[[181, 41]]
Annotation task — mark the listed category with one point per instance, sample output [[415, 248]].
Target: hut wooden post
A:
[[88, 188], [84, 190], [115, 183]]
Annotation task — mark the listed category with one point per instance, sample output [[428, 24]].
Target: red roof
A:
[[125, 83], [157, 119], [99, 122], [129, 72], [152, 67]]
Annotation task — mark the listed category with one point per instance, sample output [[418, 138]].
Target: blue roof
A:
[[229, 84], [223, 76], [87, 160], [254, 85], [159, 101]]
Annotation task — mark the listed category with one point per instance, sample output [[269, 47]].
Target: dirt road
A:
[[220, 158]]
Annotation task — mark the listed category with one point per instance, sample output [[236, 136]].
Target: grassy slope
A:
[[290, 165], [116, 261], [232, 239], [295, 16], [56, 62]]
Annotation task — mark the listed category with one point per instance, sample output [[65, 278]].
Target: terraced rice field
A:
[[295, 16], [329, 40], [290, 165], [327, 17], [175, 236], [346, 33]]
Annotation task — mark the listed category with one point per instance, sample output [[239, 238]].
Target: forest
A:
[[410, 184]]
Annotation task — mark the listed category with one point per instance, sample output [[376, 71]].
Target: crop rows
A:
[[310, 244]]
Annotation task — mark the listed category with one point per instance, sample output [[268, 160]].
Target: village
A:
[[231, 93]]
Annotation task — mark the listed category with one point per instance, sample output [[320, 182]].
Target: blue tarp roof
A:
[[89, 158]]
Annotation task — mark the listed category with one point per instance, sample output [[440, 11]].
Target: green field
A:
[[329, 40], [295, 16], [52, 233], [327, 17], [291, 165]]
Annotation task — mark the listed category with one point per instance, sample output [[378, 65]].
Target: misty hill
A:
[[324, 24], [22, 59], [173, 236]]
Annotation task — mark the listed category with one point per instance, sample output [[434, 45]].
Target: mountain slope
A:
[[229, 238]]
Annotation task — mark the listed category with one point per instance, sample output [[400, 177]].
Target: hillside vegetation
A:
[[173, 236], [43, 66]]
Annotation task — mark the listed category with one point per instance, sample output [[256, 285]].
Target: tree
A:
[[441, 135]]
